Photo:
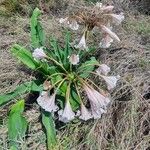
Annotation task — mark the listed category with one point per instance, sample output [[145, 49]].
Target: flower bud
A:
[[74, 59], [39, 53]]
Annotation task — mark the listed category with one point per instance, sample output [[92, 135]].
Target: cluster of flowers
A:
[[100, 16], [98, 99]]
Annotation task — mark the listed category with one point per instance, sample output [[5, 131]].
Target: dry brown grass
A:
[[126, 126]]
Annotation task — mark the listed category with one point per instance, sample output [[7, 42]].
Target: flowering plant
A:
[[100, 16], [64, 77]]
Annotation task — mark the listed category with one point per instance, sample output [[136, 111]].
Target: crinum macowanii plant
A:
[[100, 16], [64, 75], [74, 77]]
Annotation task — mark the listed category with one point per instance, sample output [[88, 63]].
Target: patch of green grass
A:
[[144, 64], [140, 25]]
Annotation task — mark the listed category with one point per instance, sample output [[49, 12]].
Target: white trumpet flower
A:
[[67, 114], [74, 59], [117, 18], [98, 102], [111, 81], [39, 54], [82, 44], [103, 69], [47, 102], [85, 113]]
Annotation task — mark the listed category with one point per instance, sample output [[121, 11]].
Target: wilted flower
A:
[[69, 22], [39, 53], [106, 41], [74, 59], [111, 34], [111, 81], [98, 16], [98, 102], [67, 114], [47, 102], [85, 113], [82, 43], [117, 18], [103, 69]]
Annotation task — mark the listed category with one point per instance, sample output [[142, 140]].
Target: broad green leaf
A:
[[56, 78], [49, 125], [46, 69], [21, 89], [18, 107], [74, 98], [52, 69], [17, 124], [13, 148], [37, 34], [24, 56], [85, 69]]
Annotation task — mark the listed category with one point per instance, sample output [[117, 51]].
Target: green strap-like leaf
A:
[[13, 148], [58, 54], [49, 125], [37, 34], [17, 124], [21, 89], [85, 69], [24, 56]]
